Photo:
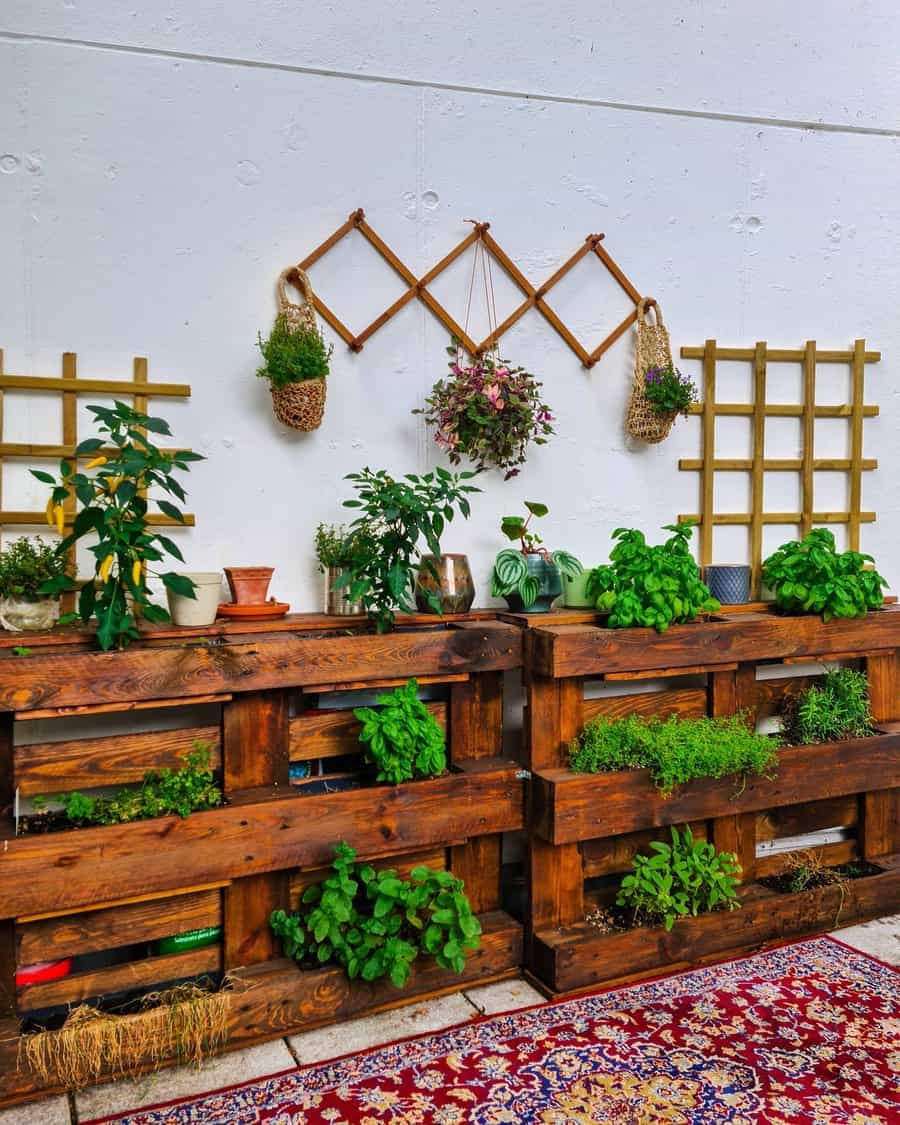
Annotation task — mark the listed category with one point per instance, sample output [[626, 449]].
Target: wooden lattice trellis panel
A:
[[761, 356], [69, 387], [418, 287]]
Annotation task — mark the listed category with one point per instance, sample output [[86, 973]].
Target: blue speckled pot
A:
[[728, 583]]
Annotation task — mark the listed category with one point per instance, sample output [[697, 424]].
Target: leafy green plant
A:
[[489, 411], [674, 750], [334, 545], [395, 515], [167, 792], [668, 391], [293, 355], [811, 576], [402, 737], [835, 708], [376, 925], [510, 574], [114, 508], [26, 565], [650, 586], [686, 877]]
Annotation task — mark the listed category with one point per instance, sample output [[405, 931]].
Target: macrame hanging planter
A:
[[653, 349], [488, 410], [298, 405]]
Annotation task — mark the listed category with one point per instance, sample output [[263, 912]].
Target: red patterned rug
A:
[[808, 1034]]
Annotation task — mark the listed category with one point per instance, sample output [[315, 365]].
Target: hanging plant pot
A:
[[659, 392], [296, 357]]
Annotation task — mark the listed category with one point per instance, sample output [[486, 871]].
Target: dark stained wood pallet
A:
[[276, 998], [577, 956], [116, 888], [583, 827]]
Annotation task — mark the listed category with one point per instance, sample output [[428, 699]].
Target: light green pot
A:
[[574, 594]]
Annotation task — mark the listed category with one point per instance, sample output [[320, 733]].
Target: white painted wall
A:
[[158, 168]]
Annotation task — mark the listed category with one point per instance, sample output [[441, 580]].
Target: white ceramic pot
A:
[[202, 608], [20, 615]]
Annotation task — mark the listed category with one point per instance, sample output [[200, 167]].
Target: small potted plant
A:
[[811, 576], [25, 566], [334, 550], [395, 516], [488, 411], [295, 361], [654, 587], [530, 578]]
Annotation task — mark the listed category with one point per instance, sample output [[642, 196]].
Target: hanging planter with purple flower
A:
[[659, 392], [489, 412]]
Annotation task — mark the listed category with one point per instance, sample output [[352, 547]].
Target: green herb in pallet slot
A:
[[832, 710], [687, 878], [114, 508], [675, 750], [376, 925], [167, 792], [402, 737], [810, 576], [649, 586]]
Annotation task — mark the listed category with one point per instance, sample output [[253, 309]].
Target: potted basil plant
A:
[[530, 578]]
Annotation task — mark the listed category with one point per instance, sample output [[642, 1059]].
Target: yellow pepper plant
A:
[[112, 491]]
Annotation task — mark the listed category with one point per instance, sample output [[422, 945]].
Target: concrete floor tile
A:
[[371, 1031], [50, 1111], [504, 996], [183, 1081], [880, 938]]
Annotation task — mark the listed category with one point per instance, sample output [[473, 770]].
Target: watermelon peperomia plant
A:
[[511, 574]]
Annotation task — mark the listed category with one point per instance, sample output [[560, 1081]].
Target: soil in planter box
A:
[[807, 879]]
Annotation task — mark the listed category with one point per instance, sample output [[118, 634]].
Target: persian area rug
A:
[[808, 1034]]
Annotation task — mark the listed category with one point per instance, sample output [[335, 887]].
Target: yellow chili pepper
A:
[[50, 508], [112, 483], [97, 461], [136, 572], [60, 518], [106, 567]]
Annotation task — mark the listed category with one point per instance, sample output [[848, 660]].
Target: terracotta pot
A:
[[249, 585], [452, 585]]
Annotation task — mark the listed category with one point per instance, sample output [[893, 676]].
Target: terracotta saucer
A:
[[249, 612]]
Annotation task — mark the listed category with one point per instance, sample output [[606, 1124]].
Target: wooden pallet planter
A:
[[588, 827], [273, 698], [571, 955]]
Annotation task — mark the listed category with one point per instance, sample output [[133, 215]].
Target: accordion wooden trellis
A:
[[418, 288], [761, 356], [69, 387]]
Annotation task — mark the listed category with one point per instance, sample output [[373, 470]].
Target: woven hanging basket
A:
[[653, 349], [298, 405]]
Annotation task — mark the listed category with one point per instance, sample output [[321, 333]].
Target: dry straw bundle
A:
[[186, 1022], [653, 349]]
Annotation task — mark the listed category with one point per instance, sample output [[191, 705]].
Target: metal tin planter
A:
[[337, 602]]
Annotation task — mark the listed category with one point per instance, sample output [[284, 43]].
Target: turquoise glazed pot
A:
[[547, 573]]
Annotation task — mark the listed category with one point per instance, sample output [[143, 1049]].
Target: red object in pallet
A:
[[43, 971]]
